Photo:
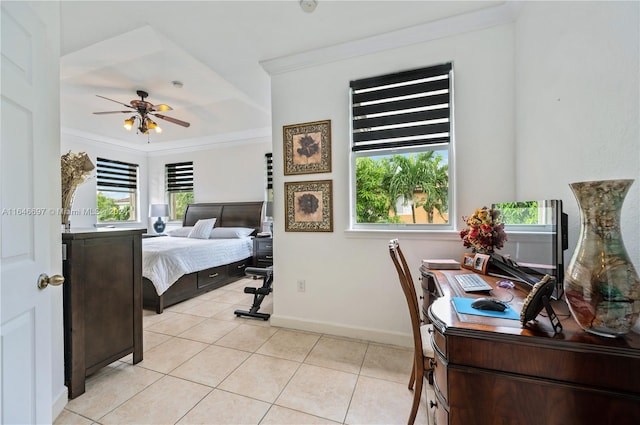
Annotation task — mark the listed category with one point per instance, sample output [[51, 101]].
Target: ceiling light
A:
[[151, 125], [128, 123], [308, 5]]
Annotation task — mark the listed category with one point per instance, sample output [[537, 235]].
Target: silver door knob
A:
[[44, 280]]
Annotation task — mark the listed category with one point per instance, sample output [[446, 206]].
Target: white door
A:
[[29, 227]]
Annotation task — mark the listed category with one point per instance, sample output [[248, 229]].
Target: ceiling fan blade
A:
[[173, 120], [161, 108], [112, 112], [123, 104]]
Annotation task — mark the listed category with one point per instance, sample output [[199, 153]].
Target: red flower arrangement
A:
[[484, 232]]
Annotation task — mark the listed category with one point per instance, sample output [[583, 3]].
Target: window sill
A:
[[435, 235]]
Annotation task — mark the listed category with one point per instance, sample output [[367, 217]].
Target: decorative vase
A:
[[601, 284]]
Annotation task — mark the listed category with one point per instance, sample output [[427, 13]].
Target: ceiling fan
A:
[[144, 110]]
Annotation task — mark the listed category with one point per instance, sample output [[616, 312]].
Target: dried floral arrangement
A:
[[75, 168], [484, 233]]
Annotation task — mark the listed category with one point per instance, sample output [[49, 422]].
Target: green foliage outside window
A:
[[519, 212], [419, 180], [179, 202], [109, 210]]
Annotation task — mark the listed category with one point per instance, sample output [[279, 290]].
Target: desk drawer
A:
[[440, 376], [212, 276]]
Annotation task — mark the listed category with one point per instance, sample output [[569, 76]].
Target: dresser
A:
[[102, 301], [492, 371], [263, 252]]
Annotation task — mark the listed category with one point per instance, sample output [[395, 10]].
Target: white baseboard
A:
[[59, 402], [367, 334]]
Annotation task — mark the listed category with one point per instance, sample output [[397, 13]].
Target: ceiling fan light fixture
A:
[[128, 123]]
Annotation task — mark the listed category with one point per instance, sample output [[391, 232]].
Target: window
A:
[[117, 188], [268, 158], [401, 149], [179, 183]]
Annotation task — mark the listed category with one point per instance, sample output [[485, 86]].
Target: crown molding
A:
[[254, 136], [505, 13]]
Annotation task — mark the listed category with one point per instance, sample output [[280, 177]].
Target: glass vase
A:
[[601, 284]]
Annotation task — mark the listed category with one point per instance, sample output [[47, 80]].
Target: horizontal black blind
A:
[[116, 176], [179, 177], [410, 108], [269, 164]]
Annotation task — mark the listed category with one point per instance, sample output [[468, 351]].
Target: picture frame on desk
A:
[[481, 263], [467, 261]]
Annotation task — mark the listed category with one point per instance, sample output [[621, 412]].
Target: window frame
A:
[[107, 181], [436, 145], [182, 175]]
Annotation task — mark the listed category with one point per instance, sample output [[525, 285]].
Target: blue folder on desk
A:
[[463, 306]]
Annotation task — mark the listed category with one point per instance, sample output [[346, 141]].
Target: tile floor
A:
[[203, 365]]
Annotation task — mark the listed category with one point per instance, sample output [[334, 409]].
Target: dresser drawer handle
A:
[[433, 404], [268, 246], [211, 276], [270, 257], [242, 266], [432, 363]]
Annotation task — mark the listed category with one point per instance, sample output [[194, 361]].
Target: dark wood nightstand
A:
[[263, 252]]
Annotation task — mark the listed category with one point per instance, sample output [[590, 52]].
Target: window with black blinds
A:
[[268, 157], [179, 177], [404, 109], [116, 176]]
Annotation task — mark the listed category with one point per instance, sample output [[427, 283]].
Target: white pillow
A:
[[202, 229], [230, 232], [180, 232]]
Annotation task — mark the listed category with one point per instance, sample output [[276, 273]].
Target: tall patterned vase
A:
[[601, 283]]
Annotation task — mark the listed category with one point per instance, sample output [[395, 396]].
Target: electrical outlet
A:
[[301, 285]]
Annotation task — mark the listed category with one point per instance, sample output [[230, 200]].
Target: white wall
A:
[[85, 197], [577, 104], [529, 98]]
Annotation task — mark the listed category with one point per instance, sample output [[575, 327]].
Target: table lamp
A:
[[159, 210]]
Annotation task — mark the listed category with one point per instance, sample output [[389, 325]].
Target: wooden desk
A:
[[493, 371]]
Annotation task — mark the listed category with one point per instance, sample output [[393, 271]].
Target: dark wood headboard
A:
[[228, 214]]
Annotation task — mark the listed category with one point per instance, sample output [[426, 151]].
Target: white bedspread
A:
[[166, 259]]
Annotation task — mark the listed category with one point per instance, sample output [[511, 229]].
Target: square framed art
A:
[[309, 206], [307, 147]]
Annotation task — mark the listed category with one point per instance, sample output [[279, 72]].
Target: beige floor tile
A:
[[232, 297], [153, 339], [221, 407], [171, 354], [388, 362], [279, 415], [177, 325], [211, 366], [209, 330], [338, 353], [319, 391], [288, 344], [260, 377], [184, 306], [108, 391], [67, 417], [207, 308], [378, 401], [150, 318], [164, 402], [246, 337]]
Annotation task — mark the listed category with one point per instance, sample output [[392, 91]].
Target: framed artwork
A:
[[309, 206], [467, 261], [307, 148], [480, 263]]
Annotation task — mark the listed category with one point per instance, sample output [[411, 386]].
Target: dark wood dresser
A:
[[492, 371], [263, 252], [102, 300]]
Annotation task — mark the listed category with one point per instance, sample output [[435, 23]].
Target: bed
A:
[[206, 264]]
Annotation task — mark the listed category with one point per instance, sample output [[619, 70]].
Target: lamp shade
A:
[[158, 210]]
